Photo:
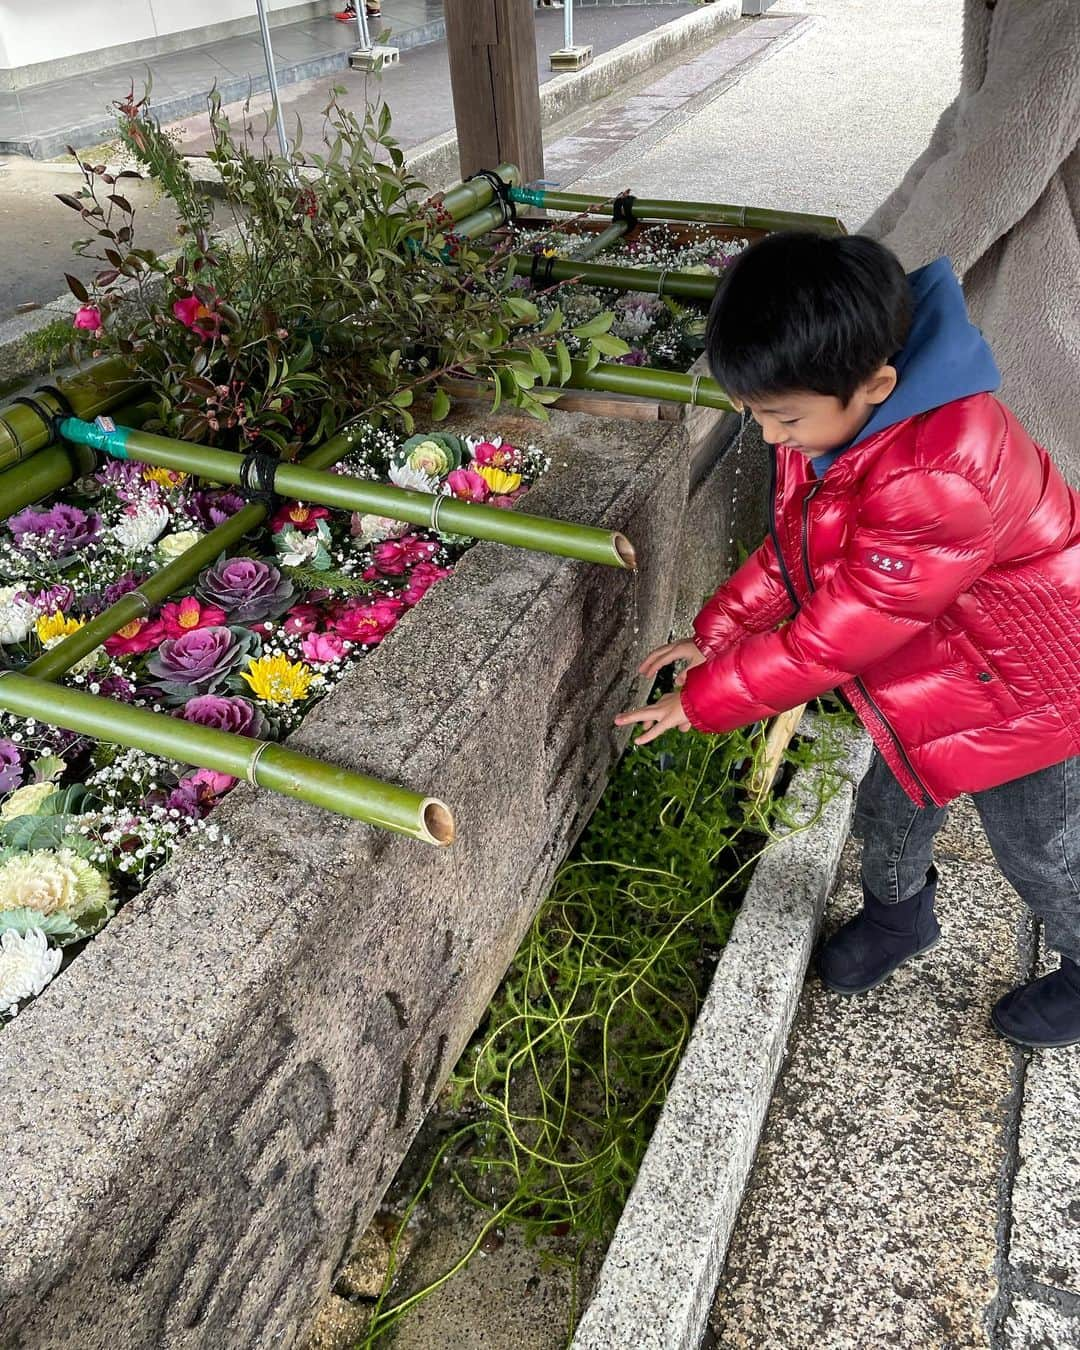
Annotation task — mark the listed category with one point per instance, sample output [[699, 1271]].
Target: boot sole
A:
[[1030, 1045], [848, 989]]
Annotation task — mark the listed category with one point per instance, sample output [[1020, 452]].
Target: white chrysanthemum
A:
[[17, 615], [404, 477], [27, 964], [295, 548], [140, 529]]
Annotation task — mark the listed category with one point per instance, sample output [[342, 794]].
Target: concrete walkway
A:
[[916, 1183]]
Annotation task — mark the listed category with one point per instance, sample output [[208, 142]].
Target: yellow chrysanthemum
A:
[[276, 679], [165, 478], [550, 253], [53, 627], [498, 480]]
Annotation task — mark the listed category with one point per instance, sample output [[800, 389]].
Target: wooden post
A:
[[496, 87]]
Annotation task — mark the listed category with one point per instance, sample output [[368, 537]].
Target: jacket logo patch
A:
[[888, 563]]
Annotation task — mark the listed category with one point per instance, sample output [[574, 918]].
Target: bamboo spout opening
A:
[[626, 551], [438, 822]]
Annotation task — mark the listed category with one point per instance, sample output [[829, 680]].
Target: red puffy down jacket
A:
[[933, 576]]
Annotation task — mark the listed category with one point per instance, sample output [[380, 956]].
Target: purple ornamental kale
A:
[[11, 771], [199, 662], [224, 713], [57, 532], [247, 589], [210, 507]]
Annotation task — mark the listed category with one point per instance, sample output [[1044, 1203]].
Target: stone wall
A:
[[201, 1113]]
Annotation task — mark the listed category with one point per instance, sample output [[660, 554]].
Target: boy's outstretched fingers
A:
[[668, 654], [665, 715]]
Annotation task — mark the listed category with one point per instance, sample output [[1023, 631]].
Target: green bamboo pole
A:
[[670, 386], [596, 243], [262, 763], [564, 538], [481, 222], [648, 280], [703, 213], [156, 589], [465, 198], [43, 473], [97, 389]]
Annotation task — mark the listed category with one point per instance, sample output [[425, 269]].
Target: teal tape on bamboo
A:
[[110, 440]]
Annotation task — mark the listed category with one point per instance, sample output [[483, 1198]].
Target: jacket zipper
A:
[[775, 533], [897, 743]]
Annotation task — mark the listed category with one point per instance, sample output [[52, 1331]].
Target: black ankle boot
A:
[[1043, 1013], [878, 940]]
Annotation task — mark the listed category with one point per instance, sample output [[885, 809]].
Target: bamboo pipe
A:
[[596, 243], [156, 589], [648, 280], [437, 512], [465, 198], [670, 386], [482, 222], [262, 763], [704, 213], [24, 430]]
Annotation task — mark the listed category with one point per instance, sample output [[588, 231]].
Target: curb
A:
[[661, 1270]]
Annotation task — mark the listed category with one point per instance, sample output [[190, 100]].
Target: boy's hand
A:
[[666, 714], [687, 650]]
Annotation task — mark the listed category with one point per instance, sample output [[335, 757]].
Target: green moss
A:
[[563, 1082]]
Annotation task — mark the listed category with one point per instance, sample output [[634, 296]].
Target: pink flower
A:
[[424, 575], [301, 619], [183, 616], [193, 314], [210, 783], [506, 500], [323, 647], [498, 456], [135, 638], [88, 317], [367, 622], [468, 485], [298, 516], [394, 557]]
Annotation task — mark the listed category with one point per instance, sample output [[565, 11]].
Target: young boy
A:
[[927, 554]]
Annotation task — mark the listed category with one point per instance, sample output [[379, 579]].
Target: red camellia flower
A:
[[193, 314], [423, 576], [394, 557], [135, 638], [298, 516], [367, 622], [468, 485], [183, 616], [301, 619], [88, 317]]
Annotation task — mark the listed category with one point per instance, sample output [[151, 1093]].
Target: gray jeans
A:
[[1032, 823]]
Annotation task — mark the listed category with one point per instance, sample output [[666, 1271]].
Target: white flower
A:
[[27, 964], [139, 529], [174, 544], [296, 548], [17, 614], [372, 529], [404, 477]]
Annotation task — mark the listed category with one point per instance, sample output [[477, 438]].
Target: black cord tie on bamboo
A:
[[49, 419], [63, 403], [540, 270], [501, 190], [257, 474], [622, 209]]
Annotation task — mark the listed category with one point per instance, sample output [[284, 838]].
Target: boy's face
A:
[[814, 424]]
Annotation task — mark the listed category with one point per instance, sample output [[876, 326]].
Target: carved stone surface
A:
[[201, 1114]]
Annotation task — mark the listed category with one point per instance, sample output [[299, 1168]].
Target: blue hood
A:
[[944, 358]]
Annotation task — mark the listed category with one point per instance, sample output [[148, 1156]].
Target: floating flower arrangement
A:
[[258, 639]]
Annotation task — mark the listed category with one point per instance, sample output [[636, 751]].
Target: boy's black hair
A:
[[801, 311]]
